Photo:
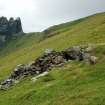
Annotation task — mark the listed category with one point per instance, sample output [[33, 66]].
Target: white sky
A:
[[37, 15]]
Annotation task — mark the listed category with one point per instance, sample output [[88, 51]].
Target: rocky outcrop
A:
[[48, 60], [10, 27], [3, 25]]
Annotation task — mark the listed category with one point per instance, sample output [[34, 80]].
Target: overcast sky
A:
[[37, 15]]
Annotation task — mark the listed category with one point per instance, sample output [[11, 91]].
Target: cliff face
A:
[[10, 27]]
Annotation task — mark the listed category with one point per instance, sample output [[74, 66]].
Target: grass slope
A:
[[73, 84]]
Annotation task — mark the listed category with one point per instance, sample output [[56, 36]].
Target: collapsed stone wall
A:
[[48, 60]]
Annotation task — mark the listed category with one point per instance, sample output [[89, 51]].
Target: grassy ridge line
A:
[[56, 29]]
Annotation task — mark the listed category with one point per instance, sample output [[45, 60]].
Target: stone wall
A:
[[47, 61]]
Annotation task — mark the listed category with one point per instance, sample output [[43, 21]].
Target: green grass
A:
[[75, 83]]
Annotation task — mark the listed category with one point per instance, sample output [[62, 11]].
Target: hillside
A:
[[73, 84]]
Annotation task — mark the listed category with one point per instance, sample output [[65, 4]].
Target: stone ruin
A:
[[46, 62]]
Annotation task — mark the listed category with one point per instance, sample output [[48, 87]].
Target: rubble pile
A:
[[44, 63]]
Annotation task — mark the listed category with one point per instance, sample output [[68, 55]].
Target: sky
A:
[[37, 15]]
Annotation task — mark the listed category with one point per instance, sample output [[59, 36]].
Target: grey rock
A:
[[58, 60], [6, 84], [73, 53], [93, 60], [48, 51]]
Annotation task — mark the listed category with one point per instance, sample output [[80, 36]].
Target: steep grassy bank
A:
[[74, 84]]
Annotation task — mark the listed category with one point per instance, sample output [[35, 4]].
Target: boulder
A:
[[58, 60], [73, 53], [93, 60], [90, 59]]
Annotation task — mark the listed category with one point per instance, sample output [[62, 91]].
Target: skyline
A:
[[37, 15]]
